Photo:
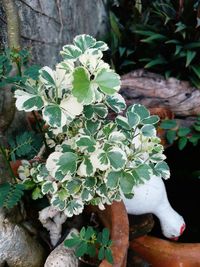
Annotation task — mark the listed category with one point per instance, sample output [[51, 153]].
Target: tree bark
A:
[[152, 90]]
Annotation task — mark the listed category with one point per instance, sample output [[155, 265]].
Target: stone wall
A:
[[46, 25]]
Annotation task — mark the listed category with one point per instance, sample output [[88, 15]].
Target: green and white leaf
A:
[[52, 161], [74, 186], [28, 102], [49, 187], [117, 158], [84, 41], [74, 207], [85, 142], [116, 102], [151, 120], [58, 203], [140, 110], [86, 168], [71, 52], [148, 130], [67, 163], [99, 160], [108, 81], [123, 122], [133, 118], [162, 169], [101, 45]]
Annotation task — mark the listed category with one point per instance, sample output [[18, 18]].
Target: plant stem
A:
[[40, 129], [7, 163]]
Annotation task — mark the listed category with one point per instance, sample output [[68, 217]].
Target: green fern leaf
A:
[[10, 194]]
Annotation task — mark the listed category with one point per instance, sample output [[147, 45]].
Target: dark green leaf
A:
[[182, 142]]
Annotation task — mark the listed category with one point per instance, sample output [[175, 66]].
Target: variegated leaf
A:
[[49, 187], [74, 186], [28, 102], [85, 142], [74, 207], [58, 203], [84, 41], [162, 169], [67, 163], [108, 81], [116, 102], [71, 52], [123, 122], [117, 158], [148, 130], [86, 168], [101, 45]]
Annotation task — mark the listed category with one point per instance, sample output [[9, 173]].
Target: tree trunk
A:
[[152, 90]]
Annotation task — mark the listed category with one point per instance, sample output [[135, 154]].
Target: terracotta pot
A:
[[115, 218], [162, 253]]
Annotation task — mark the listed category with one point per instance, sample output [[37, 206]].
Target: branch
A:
[[52, 219], [13, 25]]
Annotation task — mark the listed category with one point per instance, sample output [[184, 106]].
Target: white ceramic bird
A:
[[151, 197]]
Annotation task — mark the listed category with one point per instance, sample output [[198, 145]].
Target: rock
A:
[[18, 248], [62, 256]]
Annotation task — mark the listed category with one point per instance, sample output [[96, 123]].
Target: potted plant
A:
[[90, 160]]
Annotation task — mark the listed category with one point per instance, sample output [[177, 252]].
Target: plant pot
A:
[[159, 252], [115, 218]]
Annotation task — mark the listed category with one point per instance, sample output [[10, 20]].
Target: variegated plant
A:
[[94, 160]]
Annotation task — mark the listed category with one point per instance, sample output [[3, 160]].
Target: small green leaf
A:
[[127, 182], [196, 70], [171, 136], [49, 187], [81, 249], [189, 57], [117, 158], [108, 255], [168, 124], [72, 242], [141, 110], [182, 142], [105, 236], [101, 254], [155, 62], [183, 131]]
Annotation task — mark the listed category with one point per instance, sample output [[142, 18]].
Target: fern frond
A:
[[10, 194], [25, 145]]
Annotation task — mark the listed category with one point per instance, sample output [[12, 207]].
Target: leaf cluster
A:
[[89, 241], [181, 135], [162, 36], [10, 194], [11, 59], [24, 145], [93, 160]]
